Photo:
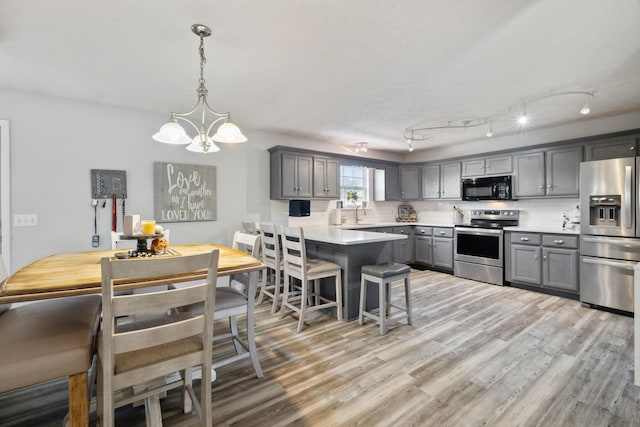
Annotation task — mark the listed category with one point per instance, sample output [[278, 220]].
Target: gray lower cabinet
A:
[[423, 242], [544, 260], [443, 252], [434, 247], [403, 249]]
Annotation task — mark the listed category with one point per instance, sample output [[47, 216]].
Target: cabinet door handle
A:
[[544, 258], [442, 232], [524, 239], [541, 187], [558, 242]]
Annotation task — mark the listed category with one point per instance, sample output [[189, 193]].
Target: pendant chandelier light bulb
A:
[[206, 147], [173, 133], [410, 147]]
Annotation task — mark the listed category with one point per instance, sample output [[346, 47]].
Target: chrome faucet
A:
[[364, 212]]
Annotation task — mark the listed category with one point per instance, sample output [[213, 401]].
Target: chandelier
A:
[[172, 133]]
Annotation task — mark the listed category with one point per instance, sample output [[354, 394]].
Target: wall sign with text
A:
[[184, 193]]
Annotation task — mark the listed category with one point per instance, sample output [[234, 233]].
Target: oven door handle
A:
[[478, 230]]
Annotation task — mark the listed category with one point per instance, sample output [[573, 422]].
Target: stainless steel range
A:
[[479, 246]]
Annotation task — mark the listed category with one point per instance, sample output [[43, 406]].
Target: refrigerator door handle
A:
[[617, 264], [626, 242], [627, 197]]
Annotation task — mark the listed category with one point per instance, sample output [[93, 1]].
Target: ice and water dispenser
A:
[[605, 210]]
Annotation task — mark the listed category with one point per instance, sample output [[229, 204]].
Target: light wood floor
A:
[[476, 355]]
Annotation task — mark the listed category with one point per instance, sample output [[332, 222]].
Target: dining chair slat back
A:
[[156, 340], [272, 259]]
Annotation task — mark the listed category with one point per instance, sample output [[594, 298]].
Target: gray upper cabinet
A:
[[326, 177], [551, 172], [391, 183], [487, 166], [472, 168], [529, 174], [563, 171], [614, 148], [450, 181], [409, 182], [441, 181], [431, 182], [294, 176]]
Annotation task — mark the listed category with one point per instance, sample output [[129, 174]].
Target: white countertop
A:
[[390, 224], [341, 236], [542, 229]]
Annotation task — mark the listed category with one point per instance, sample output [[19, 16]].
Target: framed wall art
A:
[[184, 193]]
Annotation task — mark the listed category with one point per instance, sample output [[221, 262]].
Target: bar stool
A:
[[383, 275], [297, 265]]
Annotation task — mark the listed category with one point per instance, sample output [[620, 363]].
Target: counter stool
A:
[[383, 275]]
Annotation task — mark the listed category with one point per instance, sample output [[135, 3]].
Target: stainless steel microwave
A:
[[487, 188]]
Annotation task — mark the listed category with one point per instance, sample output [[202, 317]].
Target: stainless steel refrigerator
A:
[[609, 231]]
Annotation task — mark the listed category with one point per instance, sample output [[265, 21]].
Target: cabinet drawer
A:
[[442, 232], [526, 238], [560, 241], [402, 230], [423, 231]]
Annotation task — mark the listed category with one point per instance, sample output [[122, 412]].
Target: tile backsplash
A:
[[535, 212]]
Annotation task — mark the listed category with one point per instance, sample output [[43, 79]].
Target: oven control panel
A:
[[495, 214]]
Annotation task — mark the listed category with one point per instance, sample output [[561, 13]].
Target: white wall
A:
[[55, 142]]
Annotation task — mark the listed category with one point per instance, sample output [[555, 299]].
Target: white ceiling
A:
[[340, 71]]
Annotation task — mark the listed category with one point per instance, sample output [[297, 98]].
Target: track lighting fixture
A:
[[523, 119], [490, 131], [586, 109]]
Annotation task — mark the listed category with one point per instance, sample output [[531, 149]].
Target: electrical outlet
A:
[[25, 220]]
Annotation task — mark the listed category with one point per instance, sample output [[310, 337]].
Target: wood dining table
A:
[[78, 273]]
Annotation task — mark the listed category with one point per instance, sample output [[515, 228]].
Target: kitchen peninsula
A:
[[350, 249]]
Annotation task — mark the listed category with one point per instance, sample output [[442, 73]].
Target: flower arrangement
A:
[[352, 195]]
